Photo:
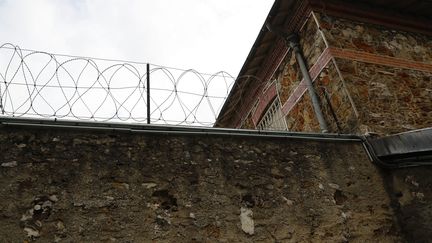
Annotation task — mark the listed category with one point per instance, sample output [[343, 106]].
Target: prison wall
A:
[[72, 185]]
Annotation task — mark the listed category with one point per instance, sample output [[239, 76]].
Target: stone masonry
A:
[[88, 186], [369, 78]]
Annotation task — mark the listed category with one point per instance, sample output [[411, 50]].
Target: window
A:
[[273, 118]]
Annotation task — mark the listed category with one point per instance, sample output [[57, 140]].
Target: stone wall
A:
[[389, 97], [302, 117], [368, 78], [87, 186], [389, 100], [347, 34], [411, 194], [336, 102], [336, 106]]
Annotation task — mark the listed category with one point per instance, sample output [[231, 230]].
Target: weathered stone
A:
[[334, 186], [149, 185], [289, 202], [31, 233], [246, 220], [53, 198], [84, 188], [21, 145], [10, 164]]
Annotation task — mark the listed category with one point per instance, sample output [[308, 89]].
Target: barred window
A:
[[273, 118]]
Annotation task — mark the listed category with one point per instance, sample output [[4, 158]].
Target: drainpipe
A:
[[293, 41]]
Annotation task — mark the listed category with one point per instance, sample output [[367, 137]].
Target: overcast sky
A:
[[206, 35]]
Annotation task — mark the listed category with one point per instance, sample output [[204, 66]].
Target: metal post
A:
[[148, 93]]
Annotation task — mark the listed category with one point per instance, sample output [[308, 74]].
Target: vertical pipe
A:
[[148, 93], [295, 45], [294, 42]]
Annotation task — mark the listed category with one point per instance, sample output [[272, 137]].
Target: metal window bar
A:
[[273, 119]]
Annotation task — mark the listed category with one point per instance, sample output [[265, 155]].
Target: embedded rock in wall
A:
[[247, 223]]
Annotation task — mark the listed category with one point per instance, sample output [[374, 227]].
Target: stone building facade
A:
[[371, 64]]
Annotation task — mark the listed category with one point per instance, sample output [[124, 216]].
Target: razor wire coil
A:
[[39, 84]]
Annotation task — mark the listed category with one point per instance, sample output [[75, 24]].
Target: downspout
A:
[[293, 41]]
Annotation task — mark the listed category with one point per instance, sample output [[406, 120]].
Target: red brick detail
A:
[[294, 97], [380, 59], [316, 69], [268, 69], [271, 63], [274, 60], [320, 64], [360, 56], [263, 102], [276, 57]]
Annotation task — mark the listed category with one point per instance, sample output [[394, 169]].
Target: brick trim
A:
[[339, 8], [276, 57], [270, 93], [263, 101], [269, 68], [271, 62], [316, 69], [380, 59], [360, 56]]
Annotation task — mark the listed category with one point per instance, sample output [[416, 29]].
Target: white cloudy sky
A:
[[206, 35]]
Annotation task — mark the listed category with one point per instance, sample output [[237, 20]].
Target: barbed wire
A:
[[57, 86], [37, 84]]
